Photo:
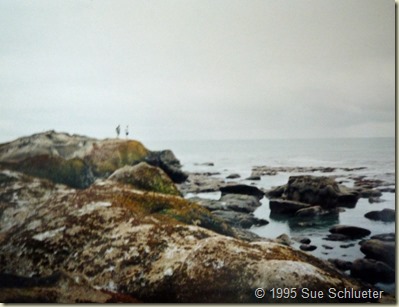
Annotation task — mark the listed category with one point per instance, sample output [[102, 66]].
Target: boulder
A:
[[372, 271], [321, 191], [200, 183], [283, 239], [253, 178], [379, 250], [122, 245], [385, 215], [239, 219], [341, 264], [336, 237], [210, 204], [286, 207], [353, 232], [145, 177], [240, 202], [307, 247], [390, 237], [304, 240], [242, 189], [233, 176], [167, 161], [276, 192]]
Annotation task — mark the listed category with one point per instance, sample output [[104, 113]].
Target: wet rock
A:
[[372, 271], [307, 247], [206, 164], [240, 202], [347, 245], [336, 237], [315, 211], [387, 189], [327, 246], [379, 250], [373, 200], [288, 207], [253, 178], [210, 204], [385, 215], [368, 193], [276, 192], [242, 189], [318, 191], [341, 264], [239, 219], [200, 183], [233, 176], [304, 240], [145, 177], [350, 231], [390, 237]]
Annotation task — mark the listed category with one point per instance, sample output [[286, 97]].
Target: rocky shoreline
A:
[[86, 220], [308, 197]]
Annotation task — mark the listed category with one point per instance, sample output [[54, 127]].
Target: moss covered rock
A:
[[148, 246], [73, 172], [146, 177], [109, 155]]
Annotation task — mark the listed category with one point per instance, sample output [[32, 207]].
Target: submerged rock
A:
[[350, 231], [307, 247], [282, 206], [385, 215], [372, 271], [233, 176]]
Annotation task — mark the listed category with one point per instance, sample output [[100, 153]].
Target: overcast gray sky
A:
[[198, 69]]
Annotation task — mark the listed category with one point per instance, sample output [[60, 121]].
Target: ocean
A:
[[377, 155]]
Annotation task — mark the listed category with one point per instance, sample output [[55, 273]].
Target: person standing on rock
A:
[[118, 131], [127, 131]]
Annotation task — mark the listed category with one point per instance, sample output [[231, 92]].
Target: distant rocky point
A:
[[78, 161]]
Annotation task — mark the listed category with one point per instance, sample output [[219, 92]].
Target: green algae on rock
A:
[[146, 177]]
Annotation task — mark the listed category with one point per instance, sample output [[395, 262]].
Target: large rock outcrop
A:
[[117, 243], [78, 160], [310, 191]]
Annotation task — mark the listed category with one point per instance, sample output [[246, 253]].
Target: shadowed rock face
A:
[[121, 244]]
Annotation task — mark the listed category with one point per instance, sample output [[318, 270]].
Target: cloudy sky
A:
[[198, 69]]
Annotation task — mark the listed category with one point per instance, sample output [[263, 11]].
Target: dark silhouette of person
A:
[[118, 131]]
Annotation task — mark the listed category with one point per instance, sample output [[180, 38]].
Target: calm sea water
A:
[[239, 156]]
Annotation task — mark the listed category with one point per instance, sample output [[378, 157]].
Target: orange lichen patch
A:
[[108, 156]]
